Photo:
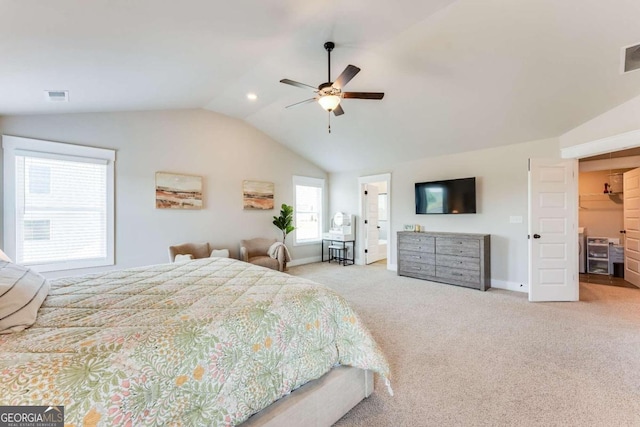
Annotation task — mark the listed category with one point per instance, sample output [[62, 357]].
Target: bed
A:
[[207, 342]]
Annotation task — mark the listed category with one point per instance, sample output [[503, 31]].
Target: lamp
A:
[[329, 102]]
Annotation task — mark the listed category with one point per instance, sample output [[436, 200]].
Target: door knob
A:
[[536, 236]]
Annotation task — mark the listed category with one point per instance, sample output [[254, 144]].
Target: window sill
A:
[[307, 242], [71, 265]]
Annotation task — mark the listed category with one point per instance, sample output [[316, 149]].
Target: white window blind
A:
[[62, 205], [68, 223], [308, 196]]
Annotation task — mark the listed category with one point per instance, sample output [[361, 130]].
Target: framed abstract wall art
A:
[[257, 194], [178, 191]]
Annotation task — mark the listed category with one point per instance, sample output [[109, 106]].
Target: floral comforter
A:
[[207, 342]]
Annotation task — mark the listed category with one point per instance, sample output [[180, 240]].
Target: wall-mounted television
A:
[[453, 196]]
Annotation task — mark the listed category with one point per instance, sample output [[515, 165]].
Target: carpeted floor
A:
[[461, 357]]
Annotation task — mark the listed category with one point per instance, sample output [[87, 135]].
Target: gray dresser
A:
[[461, 259]]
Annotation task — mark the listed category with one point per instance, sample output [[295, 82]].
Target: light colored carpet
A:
[[461, 357]]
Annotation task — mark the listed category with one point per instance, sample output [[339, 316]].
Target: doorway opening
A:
[[375, 219]]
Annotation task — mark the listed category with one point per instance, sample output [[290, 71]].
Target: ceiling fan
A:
[[330, 94]]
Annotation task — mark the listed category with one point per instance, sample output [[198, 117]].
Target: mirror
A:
[[338, 219]]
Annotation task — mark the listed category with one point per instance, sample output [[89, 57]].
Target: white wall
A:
[[619, 120], [501, 181], [223, 150]]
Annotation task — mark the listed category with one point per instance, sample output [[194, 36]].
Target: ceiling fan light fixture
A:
[[330, 93], [329, 102]]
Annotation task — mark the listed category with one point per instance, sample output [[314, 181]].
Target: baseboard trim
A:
[[510, 286], [302, 261]]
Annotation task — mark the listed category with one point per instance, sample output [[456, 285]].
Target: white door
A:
[[553, 233], [372, 235], [631, 199]]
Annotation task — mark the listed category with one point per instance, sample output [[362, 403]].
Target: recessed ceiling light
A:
[[252, 96]]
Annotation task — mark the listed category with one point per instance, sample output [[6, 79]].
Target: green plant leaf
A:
[[284, 222]]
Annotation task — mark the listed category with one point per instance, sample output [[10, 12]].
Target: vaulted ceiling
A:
[[458, 75]]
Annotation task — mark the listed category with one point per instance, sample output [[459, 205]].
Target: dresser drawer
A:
[[416, 268], [453, 261], [463, 247], [458, 275], [417, 257], [416, 242]]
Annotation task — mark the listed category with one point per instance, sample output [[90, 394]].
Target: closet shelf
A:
[[599, 196]]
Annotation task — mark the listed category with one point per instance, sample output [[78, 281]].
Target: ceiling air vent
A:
[[57, 95], [630, 58]]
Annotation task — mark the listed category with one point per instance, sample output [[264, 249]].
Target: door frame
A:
[[384, 177], [606, 145]]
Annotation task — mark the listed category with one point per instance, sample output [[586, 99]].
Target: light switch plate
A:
[[515, 219]]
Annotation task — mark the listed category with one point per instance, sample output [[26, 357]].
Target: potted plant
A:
[[285, 221]]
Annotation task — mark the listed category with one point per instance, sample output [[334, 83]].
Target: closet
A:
[[601, 215]]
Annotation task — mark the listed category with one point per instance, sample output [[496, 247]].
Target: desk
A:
[[338, 251]]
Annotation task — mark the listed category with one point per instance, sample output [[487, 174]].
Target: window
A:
[[308, 195], [39, 229], [58, 204]]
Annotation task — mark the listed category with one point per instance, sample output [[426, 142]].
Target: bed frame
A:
[[321, 402]]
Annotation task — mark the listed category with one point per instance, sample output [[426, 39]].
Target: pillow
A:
[[220, 253], [22, 292], [183, 258], [4, 257]]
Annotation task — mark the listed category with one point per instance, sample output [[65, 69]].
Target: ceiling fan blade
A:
[[346, 76], [363, 95], [306, 101], [338, 111], [298, 84]]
